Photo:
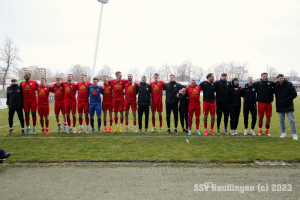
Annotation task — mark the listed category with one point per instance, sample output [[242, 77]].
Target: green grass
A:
[[118, 147]]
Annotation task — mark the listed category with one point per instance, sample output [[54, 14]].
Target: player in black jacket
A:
[[144, 96], [265, 96], [172, 88], [222, 101], [249, 94], [15, 104], [235, 94], [285, 94], [183, 97]]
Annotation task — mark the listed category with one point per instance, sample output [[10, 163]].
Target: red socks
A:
[[116, 120], [153, 121], [34, 121], [134, 123], [80, 121], [197, 123], [47, 123], [212, 126], [160, 120], [42, 123], [27, 119], [190, 123], [110, 122], [126, 123], [74, 121], [260, 125], [267, 126], [121, 120], [205, 126], [105, 123]]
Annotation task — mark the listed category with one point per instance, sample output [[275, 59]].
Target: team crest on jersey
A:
[[60, 87], [71, 85], [30, 83], [212, 84], [253, 89], [120, 82], [45, 88], [196, 87], [268, 83], [227, 83], [174, 85], [18, 90], [147, 88], [85, 84]]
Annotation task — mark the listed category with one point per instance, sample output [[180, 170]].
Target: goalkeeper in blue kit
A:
[[95, 104]]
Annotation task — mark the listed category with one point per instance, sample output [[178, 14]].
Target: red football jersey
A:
[[194, 94], [130, 91], [118, 87], [59, 93], [29, 88], [70, 92], [157, 90], [107, 94], [43, 94], [83, 91]]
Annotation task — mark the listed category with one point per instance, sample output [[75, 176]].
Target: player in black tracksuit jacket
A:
[[235, 94], [249, 95], [222, 100], [183, 109]]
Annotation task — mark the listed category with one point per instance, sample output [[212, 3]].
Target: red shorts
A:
[[118, 105], [156, 106], [129, 104], [30, 106], [59, 107], [264, 107], [106, 106], [70, 107], [209, 107], [196, 109], [83, 105], [43, 110]]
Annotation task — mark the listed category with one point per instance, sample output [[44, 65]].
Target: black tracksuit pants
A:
[[253, 110], [222, 108], [11, 113], [169, 108], [234, 116], [184, 116], [2, 153], [141, 110]]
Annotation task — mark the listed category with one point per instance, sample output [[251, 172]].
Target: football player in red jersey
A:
[[29, 101], [107, 103], [156, 103], [118, 85], [83, 102], [43, 104], [194, 105], [58, 90], [130, 101], [70, 101]]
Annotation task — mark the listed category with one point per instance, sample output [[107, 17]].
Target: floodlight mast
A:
[[98, 35]]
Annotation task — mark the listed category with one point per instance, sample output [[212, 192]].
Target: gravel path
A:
[[160, 182]]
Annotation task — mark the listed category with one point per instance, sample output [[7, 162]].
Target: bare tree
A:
[[272, 73], [49, 74], [76, 70], [293, 74], [136, 73], [217, 69], [165, 72], [198, 73], [87, 71], [9, 54], [149, 73], [58, 74], [105, 71]]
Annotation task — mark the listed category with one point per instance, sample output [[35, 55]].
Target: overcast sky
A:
[[57, 34]]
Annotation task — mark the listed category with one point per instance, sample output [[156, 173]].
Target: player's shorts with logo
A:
[[43, 110], [70, 107], [83, 105], [209, 107], [264, 108], [59, 107], [156, 106], [129, 104], [118, 105], [30, 106], [95, 107]]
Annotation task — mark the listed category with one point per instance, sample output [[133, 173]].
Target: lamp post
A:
[[98, 34]]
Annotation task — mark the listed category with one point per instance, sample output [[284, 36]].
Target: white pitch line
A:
[[105, 137]]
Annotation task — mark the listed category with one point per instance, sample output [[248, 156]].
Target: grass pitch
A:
[[157, 147]]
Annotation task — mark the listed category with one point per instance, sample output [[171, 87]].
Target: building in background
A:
[[36, 73]]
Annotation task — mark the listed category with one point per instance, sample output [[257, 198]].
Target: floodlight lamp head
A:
[[103, 1]]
